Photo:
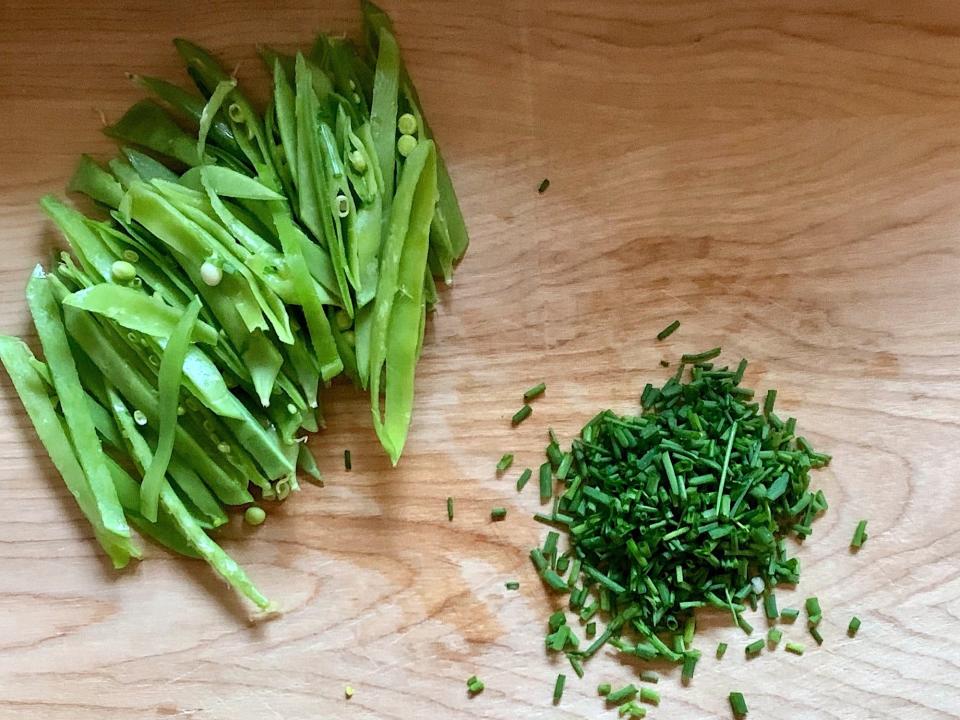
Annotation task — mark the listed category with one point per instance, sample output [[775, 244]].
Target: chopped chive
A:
[[813, 607], [795, 648], [695, 358], [555, 581], [512, 585], [814, 620], [627, 692], [557, 619], [347, 462], [769, 401], [668, 330], [538, 560], [475, 685], [754, 648], [505, 462], [664, 363], [744, 625], [859, 535], [815, 634], [770, 606], [558, 688], [524, 477], [498, 513], [535, 391], [576, 665], [544, 184], [603, 689], [854, 626], [546, 482], [651, 676], [550, 544], [738, 705], [789, 614], [774, 636], [721, 650], [520, 415], [348, 692], [450, 509], [649, 695], [690, 659]]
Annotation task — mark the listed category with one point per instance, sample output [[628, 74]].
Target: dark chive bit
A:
[[576, 665], [504, 463], [498, 513], [664, 363], [534, 392], [347, 462], [815, 634], [690, 659], [520, 415], [558, 688], [524, 477], [859, 535], [754, 648], [624, 694], [738, 705], [544, 184], [668, 330], [789, 614], [721, 650], [591, 630], [512, 585], [450, 509], [546, 482], [854, 626], [702, 357]]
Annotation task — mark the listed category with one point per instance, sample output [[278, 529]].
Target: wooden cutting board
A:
[[783, 177]]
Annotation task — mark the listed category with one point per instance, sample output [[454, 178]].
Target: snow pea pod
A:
[[398, 308], [264, 362], [147, 124], [63, 370], [136, 310], [16, 358], [146, 167], [171, 374], [94, 256], [92, 180], [383, 113]]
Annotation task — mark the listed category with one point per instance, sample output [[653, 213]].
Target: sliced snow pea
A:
[[17, 359], [92, 180], [94, 256], [63, 370], [362, 334], [303, 365], [307, 463], [146, 167], [136, 310], [321, 337], [345, 351], [398, 308], [284, 105], [123, 172], [226, 182], [383, 113], [147, 124], [210, 110], [264, 362], [171, 375]]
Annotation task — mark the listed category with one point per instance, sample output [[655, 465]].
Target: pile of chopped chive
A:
[[687, 505]]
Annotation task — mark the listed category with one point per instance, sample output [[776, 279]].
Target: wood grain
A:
[[781, 176]]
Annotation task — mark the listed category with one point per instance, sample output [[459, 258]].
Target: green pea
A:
[[122, 271], [407, 124], [406, 145], [255, 515]]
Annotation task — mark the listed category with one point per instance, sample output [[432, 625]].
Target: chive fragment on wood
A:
[[738, 705], [546, 482], [627, 692], [450, 508], [498, 513], [721, 650], [347, 461], [544, 184], [558, 688], [789, 614], [754, 648], [668, 330], [795, 648], [524, 477], [520, 415], [512, 585], [505, 462], [859, 535], [603, 689], [536, 391]]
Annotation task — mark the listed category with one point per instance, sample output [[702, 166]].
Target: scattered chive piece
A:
[[450, 509], [789, 614], [770, 606], [859, 535], [545, 183], [814, 620], [555, 581], [633, 710], [591, 629], [627, 692], [524, 477], [744, 625], [702, 357], [512, 585], [815, 634], [853, 626], [668, 330], [813, 608], [546, 482], [535, 391], [348, 691], [754, 648], [505, 462], [649, 695], [795, 648], [721, 649], [690, 659], [576, 665], [520, 415], [650, 676], [774, 636], [603, 689], [664, 363], [738, 704], [558, 688], [498, 513], [347, 462], [769, 401]]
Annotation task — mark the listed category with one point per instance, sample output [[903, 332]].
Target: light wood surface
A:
[[783, 177]]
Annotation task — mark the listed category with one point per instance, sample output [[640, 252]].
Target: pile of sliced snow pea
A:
[[240, 262]]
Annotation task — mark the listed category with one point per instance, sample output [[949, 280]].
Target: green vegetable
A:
[[815, 634], [603, 689], [474, 685], [524, 478], [347, 461], [668, 331], [627, 692], [854, 626], [774, 636], [649, 676], [795, 648], [859, 535], [254, 515], [450, 509], [558, 688], [754, 648], [504, 463], [721, 650], [649, 695], [546, 482], [512, 585], [738, 705], [498, 513], [534, 392], [543, 186], [520, 415], [789, 614]]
